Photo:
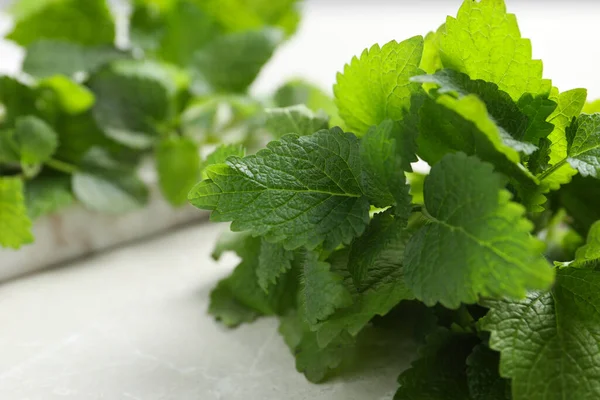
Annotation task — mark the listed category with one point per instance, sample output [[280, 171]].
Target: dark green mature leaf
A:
[[439, 373], [15, 225], [296, 119], [130, 106], [178, 166], [238, 298], [18, 99], [584, 145], [46, 58], [323, 291], [86, 22], [36, 140], [477, 242], [376, 86], [484, 42], [9, 149], [300, 191], [485, 382], [549, 341], [231, 62], [103, 184], [273, 262], [580, 199], [384, 182], [47, 194], [373, 273], [537, 109]]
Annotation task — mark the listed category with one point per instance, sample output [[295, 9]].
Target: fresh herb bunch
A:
[[91, 105], [489, 248]]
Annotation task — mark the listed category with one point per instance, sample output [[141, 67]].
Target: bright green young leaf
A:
[[221, 154], [302, 191], [244, 15], [273, 262], [46, 58], [477, 242], [384, 182], [72, 97], [37, 141], [313, 360], [549, 341], [230, 63], [431, 61], [590, 253], [178, 166], [570, 104], [374, 275], [416, 181], [15, 225], [86, 22], [592, 107], [439, 373], [296, 119], [47, 194], [105, 185], [485, 382], [238, 298], [484, 42], [377, 85], [323, 291], [129, 108]]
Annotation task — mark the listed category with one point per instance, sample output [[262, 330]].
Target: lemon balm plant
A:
[[90, 104], [497, 247]]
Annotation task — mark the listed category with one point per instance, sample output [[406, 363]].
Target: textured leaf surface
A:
[[15, 226], [485, 382], [323, 291], [584, 145], [549, 341], [86, 22], [439, 372], [300, 190], [484, 42], [376, 86], [231, 62], [178, 165], [374, 275], [273, 262], [295, 119], [477, 242], [221, 154], [46, 58]]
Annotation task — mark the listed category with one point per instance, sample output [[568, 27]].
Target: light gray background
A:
[[131, 324]]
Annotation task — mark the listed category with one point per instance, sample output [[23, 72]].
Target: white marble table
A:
[[132, 324]]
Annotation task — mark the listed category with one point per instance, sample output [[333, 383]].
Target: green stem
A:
[[551, 170], [61, 166]]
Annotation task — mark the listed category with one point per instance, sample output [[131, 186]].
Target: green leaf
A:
[[85, 22], [477, 242], [485, 382], [72, 97], [297, 92], [302, 191], [178, 165], [244, 15], [431, 61], [273, 262], [579, 198], [570, 104], [47, 194], [384, 182], [590, 253], [592, 107], [9, 149], [484, 42], [106, 185], [15, 225], [130, 107], [18, 99], [439, 373], [376, 86], [549, 341], [583, 152], [230, 63], [45, 58], [537, 109], [238, 298], [322, 291], [314, 361], [374, 275], [37, 141], [295, 119], [221, 154]]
